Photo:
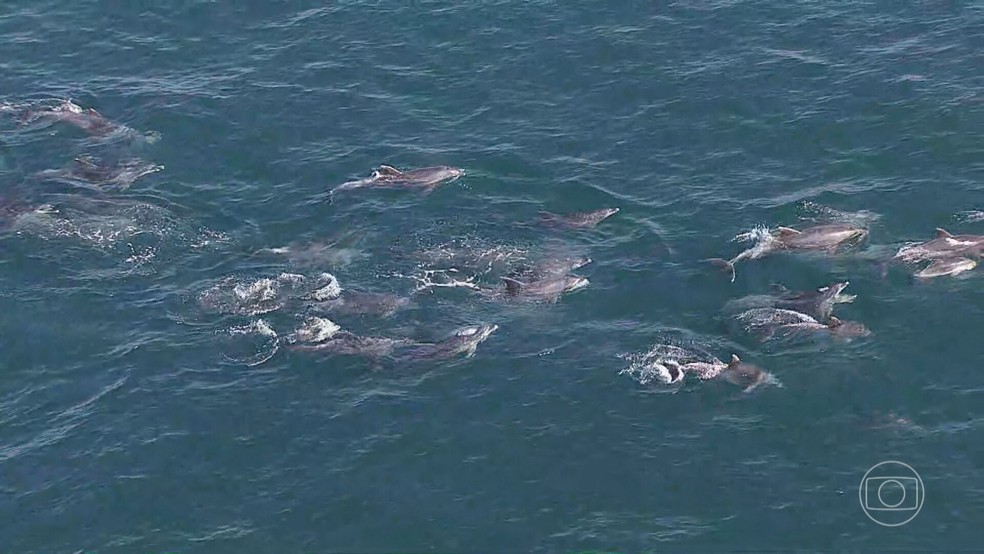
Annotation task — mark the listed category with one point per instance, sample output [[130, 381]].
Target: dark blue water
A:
[[135, 416]]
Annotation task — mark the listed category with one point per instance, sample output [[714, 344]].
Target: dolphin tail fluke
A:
[[725, 265]]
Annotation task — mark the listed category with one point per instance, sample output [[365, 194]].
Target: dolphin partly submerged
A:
[[462, 341], [97, 172], [672, 371], [547, 289], [827, 238], [387, 176], [948, 254], [583, 220], [766, 323], [818, 304], [87, 119]]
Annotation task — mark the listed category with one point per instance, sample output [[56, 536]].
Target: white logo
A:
[[891, 493]]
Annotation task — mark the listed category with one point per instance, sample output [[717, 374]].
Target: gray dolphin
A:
[[827, 238], [819, 304], [554, 267], [88, 119], [462, 341], [387, 176], [836, 328], [735, 372], [93, 170], [740, 373], [547, 289], [361, 302], [579, 219], [945, 267], [948, 254], [766, 323], [349, 344]]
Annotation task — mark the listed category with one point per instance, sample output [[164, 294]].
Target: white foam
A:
[[972, 216], [261, 352], [329, 291], [317, 329], [262, 289]]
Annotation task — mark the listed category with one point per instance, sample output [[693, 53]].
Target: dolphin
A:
[[547, 289], [827, 238], [836, 328], [765, 323], [582, 220], [944, 245], [88, 119], [462, 341], [744, 375], [360, 302], [349, 344], [387, 176], [818, 304], [554, 267], [735, 372], [946, 266], [948, 254], [87, 168]]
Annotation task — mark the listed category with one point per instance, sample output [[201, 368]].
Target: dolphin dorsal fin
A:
[[86, 162], [778, 288], [388, 170], [735, 360], [512, 285], [942, 233], [834, 322], [787, 231]]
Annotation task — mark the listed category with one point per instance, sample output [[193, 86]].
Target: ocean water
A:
[[148, 403]]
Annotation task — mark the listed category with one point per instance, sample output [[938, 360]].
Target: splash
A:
[[261, 341], [266, 294], [440, 278], [815, 212], [971, 216], [331, 290], [135, 233], [652, 366], [758, 234], [316, 329]]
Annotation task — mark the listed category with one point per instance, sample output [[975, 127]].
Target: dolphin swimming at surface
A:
[[87, 119], [462, 341], [765, 323], [362, 302], [948, 254], [672, 371], [827, 238], [349, 344], [387, 176], [818, 304], [946, 267], [92, 170], [548, 289], [582, 220], [550, 267]]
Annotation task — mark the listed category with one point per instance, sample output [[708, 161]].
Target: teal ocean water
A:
[[149, 400]]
